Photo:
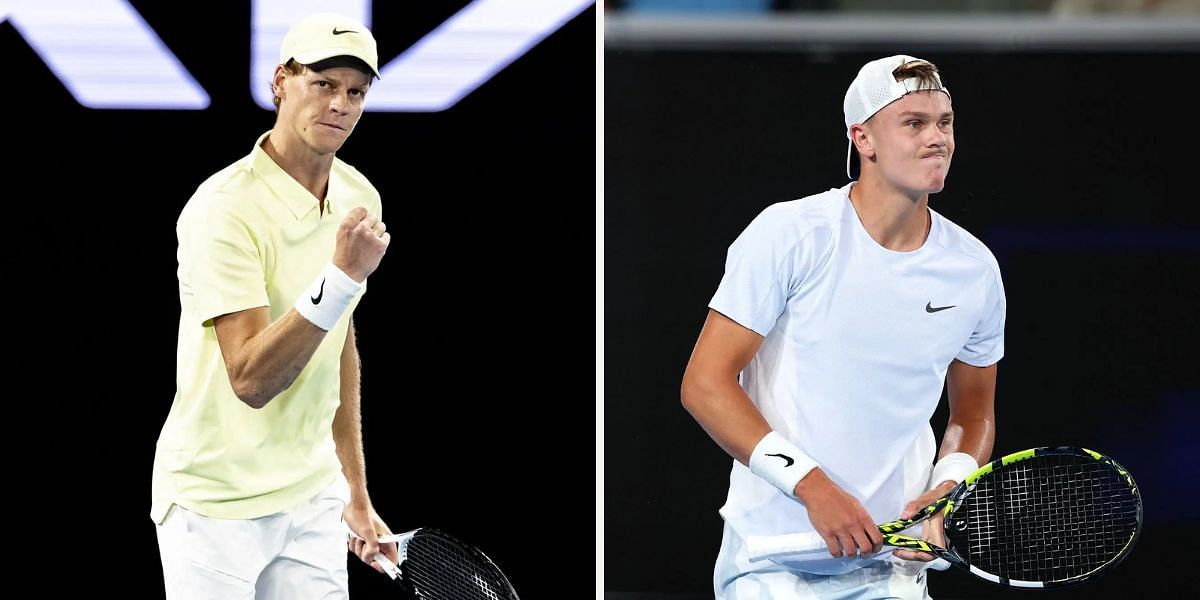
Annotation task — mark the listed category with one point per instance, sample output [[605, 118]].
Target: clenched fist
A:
[[361, 242]]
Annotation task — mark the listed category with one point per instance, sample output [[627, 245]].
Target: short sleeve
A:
[[219, 261], [763, 268], [985, 347]]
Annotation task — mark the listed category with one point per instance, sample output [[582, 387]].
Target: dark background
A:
[[476, 336], [1073, 168]]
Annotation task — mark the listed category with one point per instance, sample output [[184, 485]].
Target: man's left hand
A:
[[366, 524], [932, 532]]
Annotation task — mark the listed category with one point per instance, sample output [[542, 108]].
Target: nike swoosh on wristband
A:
[[784, 457], [336, 32], [321, 293]]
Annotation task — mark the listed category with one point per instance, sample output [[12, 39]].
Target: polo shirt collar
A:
[[298, 199]]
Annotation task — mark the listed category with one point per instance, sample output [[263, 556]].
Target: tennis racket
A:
[[1039, 518], [435, 566]]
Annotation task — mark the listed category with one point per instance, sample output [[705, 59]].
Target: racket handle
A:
[[795, 546], [398, 538], [387, 566]]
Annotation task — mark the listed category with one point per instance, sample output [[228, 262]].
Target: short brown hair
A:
[[293, 68], [924, 72]]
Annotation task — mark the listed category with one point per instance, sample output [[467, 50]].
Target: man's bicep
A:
[[971, 390], [725, 346], [235, 329]]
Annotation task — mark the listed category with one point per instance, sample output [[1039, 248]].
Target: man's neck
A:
[[311, 170], [894, 220]]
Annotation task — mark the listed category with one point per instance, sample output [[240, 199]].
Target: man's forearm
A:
[[725, 411], [347, 424], [972, 425], [269, 363], [974, 437], [347, 435]]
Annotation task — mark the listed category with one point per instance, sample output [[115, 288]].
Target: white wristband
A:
[[780, 462], [327, 298], [954, 467]]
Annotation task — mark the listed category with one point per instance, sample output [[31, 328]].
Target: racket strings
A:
[[1050, 518], [440, 569]]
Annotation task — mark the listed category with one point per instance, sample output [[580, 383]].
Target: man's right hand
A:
[[838, 517], [361, 242]]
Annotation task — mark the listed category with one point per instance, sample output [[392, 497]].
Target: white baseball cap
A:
[[876, 87], [325, 35]]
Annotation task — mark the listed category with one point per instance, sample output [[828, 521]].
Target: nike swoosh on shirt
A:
[[929, 308]]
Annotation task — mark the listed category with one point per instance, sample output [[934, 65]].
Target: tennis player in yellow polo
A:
[[260, 459]]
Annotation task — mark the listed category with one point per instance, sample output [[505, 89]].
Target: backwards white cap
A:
[[876, 87]]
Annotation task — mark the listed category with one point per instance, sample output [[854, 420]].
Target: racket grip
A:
[[399, 538], [387, 566], [794, 546]]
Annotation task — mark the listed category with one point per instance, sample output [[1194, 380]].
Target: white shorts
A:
[[296, 554]]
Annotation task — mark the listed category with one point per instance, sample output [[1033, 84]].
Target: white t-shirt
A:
[[857, 340]]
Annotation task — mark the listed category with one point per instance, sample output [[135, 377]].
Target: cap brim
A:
[[319, 55]]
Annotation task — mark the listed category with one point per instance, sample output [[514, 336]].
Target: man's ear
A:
[[277, 81], [862, 141]]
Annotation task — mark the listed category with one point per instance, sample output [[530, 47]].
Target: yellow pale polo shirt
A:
[[252, 236]]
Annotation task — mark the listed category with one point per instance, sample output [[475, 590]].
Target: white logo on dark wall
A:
[[108, 57]]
